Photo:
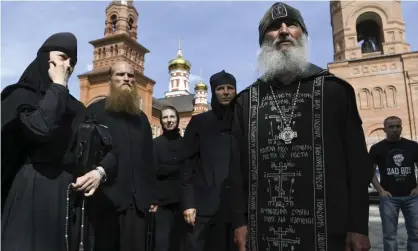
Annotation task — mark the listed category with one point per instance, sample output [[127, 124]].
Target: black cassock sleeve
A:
[[110, 163], [38, 119], [238, 170], [360, 168], [148, 155], [189, 155]]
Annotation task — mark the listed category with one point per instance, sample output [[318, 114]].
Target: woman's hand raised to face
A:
[[59, 72], [60, 67]]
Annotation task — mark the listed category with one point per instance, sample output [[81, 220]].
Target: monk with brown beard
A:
[[119, 208]]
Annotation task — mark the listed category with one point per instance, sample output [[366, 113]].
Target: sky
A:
[[216, 35]]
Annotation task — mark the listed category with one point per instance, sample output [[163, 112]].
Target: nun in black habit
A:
[[206, 148], [168, 217], [38, 115]]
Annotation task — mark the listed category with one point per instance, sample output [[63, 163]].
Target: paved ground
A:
[[375, 230]]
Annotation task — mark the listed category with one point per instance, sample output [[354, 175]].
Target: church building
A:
[[120, 44], [371, 53]]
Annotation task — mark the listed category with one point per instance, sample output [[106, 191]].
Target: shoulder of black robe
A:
[[190, 145], [23, 95], [348, 95], [97, 107], [13, 156]]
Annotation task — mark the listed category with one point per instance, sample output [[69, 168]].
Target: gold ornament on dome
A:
[[201, 86], [179, 62]]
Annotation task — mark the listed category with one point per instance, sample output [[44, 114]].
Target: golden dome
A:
[[201, 86], [179, 62]]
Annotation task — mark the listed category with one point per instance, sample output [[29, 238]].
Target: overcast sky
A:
[[217, 35]]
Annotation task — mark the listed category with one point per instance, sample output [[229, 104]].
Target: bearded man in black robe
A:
[[300, 179], [119, 208]]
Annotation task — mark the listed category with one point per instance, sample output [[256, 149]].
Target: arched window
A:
[[369, 32], [377, 94], [131, 23], [364, 99], [113, 20], [390, 94]]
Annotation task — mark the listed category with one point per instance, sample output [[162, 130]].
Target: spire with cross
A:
[[179, 53]]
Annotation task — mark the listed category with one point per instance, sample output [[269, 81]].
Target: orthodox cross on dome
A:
[[201, 74], [179, 54]]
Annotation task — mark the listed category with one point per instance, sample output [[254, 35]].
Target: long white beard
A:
[[285, 64]]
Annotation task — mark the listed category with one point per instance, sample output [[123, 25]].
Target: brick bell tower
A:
[[371, 53], [118, 44]]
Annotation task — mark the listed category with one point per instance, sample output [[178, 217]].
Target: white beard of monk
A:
[[285, 64]]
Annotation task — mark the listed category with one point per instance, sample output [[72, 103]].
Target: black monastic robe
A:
[[169, 217], [131, 156], [207, 143], [168, 170], [308, 194], [119, 208], [36, 132], [209, 146]]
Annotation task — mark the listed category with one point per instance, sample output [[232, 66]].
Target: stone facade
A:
[[371, 53]]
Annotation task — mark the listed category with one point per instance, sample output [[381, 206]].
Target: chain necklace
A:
[[287, 134]]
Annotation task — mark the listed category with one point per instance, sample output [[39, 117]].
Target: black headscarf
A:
[[36, 74], [217, 79], [176, 131], [223, 112]]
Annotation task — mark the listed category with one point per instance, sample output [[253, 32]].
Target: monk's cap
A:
[[279, 11]]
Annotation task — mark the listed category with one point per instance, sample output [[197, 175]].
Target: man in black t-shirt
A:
[[396, 158]]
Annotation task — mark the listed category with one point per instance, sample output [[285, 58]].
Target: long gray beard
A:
[[286, 64]]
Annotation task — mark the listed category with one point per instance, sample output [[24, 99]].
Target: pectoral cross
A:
[[286, 133]]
